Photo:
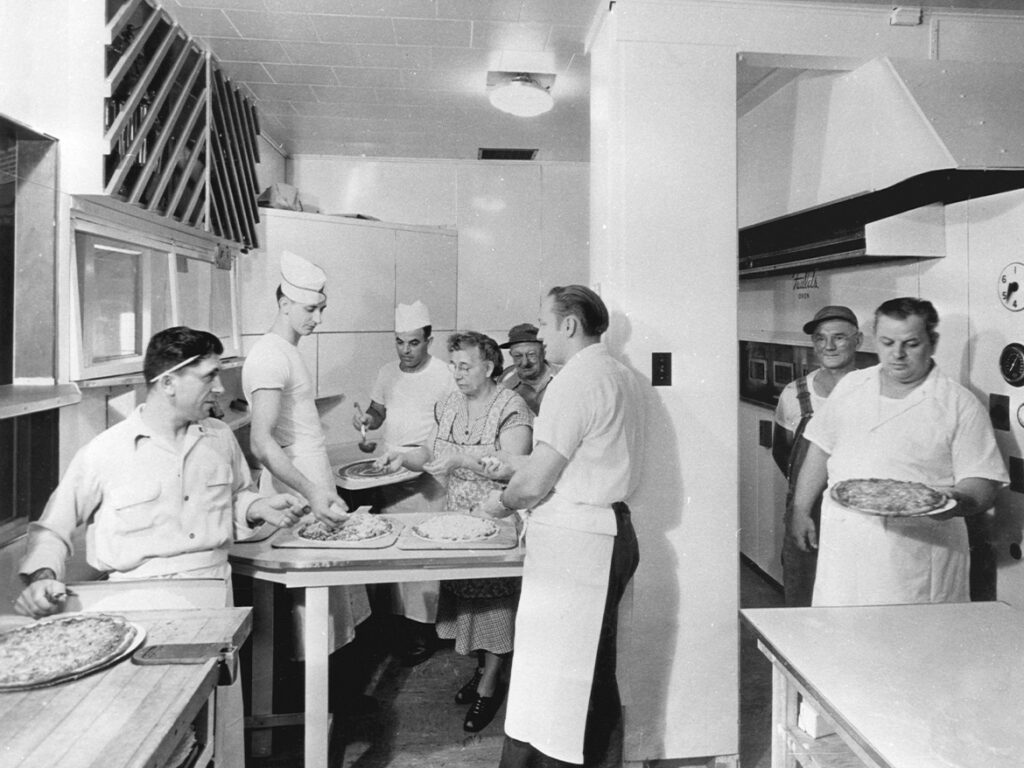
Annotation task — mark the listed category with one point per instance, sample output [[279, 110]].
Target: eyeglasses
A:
[[462, 368], [531, 356]]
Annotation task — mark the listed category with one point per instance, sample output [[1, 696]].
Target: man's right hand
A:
[[803, 532], [330, 509], [41, 598], [360, 420]]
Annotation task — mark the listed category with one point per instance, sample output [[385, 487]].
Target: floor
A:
[[389, 715]]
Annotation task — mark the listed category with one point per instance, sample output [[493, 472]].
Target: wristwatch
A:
[[501, 500]]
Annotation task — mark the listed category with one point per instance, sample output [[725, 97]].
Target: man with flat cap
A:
[[402, 401], [532, 372], [836, 336], [286, 435]]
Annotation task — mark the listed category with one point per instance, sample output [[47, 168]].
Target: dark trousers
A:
[[799, 568], [602, 741]]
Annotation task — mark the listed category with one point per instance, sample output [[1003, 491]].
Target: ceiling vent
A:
[[492, 153]]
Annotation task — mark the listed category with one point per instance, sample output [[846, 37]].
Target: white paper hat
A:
[[302, 280], [409, 317]]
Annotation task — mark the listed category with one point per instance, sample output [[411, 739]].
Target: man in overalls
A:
[[836, 336]]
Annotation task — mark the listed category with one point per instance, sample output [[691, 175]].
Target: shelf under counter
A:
[[21, 399]]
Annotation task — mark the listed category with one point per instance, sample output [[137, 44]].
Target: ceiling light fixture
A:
[[520, 94]]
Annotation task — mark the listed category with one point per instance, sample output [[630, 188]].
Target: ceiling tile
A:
[[201, 22], [354, 29], [228, 49], [246, 71], [361, 77], [272, 26], [278, 92], [323, 54], [341, 93], [462, 58], [434, 79], [517, 37], [491, 10], [299, 73], [567, 39], [433, 32], [393, 56], [245, 5], [572, 11], [268, 107]]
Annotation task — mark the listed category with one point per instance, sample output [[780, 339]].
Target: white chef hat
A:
[[301, 280], [409, 317]]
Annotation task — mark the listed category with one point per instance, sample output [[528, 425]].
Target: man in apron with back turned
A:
[[563, 703], [163, 494], [286, 435], [836, 337]]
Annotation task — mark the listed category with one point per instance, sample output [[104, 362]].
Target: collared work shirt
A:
[[151, 509], [531, 391], [594, 417]]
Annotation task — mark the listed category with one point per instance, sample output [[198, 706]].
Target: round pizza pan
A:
[[950, 504]]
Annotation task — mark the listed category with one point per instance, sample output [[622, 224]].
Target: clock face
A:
[[1011, 286], [1011, 364]]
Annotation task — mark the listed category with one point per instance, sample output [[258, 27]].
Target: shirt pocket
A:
[[136, 506], [218, 493]]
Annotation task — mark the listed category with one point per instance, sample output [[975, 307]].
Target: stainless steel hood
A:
[[877, 152]]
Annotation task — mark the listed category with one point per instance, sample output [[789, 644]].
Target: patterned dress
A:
[[478, 613]]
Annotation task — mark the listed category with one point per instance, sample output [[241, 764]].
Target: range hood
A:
[[877, 153]]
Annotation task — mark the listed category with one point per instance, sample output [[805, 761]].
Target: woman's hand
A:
[[391, 460], [497, 466], [443, 465]]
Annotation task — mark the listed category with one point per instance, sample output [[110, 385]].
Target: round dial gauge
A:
[[1011, 286], [1011, 364]]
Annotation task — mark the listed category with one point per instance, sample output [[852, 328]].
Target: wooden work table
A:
[[127, 715], [906, 686]]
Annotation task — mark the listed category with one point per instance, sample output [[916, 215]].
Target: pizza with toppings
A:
[[360, 526], [63, 648], [451, 528], [895, 498]]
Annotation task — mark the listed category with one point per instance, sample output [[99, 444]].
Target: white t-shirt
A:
[[787, 412], [273, 363], [410, 398], [593, 415]]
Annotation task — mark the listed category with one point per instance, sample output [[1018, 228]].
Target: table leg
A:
[[261, 683], [784, 713], [317, 732]]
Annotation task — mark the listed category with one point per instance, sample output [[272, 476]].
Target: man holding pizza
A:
[[162, 494], [901, 420], [563, 701], [836, 335]]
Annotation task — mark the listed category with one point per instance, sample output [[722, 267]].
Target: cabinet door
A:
[[426, 265], [749, 506]]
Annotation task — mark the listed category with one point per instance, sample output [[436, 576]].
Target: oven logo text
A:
[[805, 281]]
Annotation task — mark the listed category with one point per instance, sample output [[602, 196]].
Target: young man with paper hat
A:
[[286, 435], [402, 400]]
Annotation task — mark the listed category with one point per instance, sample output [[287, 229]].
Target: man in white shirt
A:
[[563, 702], [836, 336], [286, 436], [162, 495], [402, 401]]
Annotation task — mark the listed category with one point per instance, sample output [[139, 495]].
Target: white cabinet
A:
[[371, 266], [762, 492]]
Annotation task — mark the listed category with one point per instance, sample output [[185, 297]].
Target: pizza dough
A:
[[896, 498], [63, 648], [360, 526], [455, 528]]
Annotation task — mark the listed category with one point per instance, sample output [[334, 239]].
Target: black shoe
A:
[[420, 643], [467, 694], [482, 711]]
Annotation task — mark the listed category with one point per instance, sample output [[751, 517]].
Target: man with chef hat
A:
[[531, 372], [402, 400], [162, 495], [285, 433]]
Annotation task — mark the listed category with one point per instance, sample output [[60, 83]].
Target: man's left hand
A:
[[282, 510]]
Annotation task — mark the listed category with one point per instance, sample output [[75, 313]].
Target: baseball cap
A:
[[831, 312]]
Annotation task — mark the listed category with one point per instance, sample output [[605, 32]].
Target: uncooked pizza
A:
[[63, 648], [897, 498], [368, 468], [360, 526], [452, 528]]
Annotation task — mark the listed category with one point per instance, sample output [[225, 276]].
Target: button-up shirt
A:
[[150, 508], [531, 391]]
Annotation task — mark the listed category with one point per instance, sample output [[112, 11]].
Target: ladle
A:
[[366, 446]]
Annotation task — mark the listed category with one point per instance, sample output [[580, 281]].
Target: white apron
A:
[[873, 560], [348, 606], [558, 625]]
